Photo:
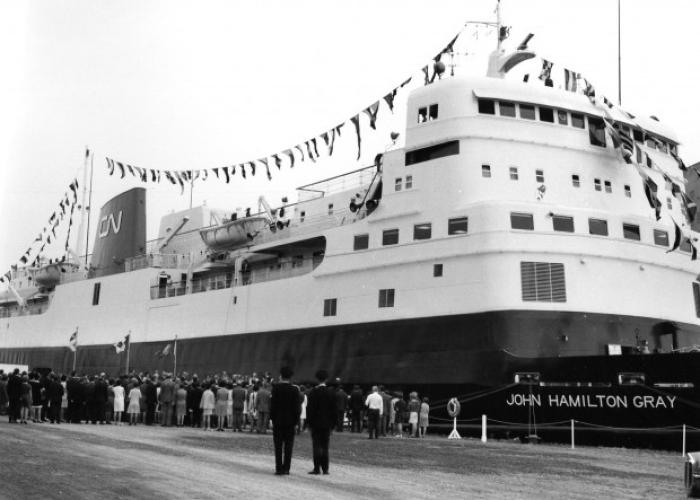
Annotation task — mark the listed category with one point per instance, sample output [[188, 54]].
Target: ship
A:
[[505, 254]]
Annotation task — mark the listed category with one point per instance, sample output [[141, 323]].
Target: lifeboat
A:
[[50, 275], [234, 233]]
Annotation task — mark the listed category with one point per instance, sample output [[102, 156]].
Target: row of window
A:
[[399, 183], [523, 221], [596, 126]]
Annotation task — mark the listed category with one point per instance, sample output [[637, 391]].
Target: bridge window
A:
[[432, 152], [608, 187], [486, 171], [527, 112], [433, 112], [631, 231], [596, 183], [598, 227], [546, 114], [513, 173], [638, 135], [596, 131], [577, 120], [459, 225], [422, 115], [562, 117], [660, 238], [487, 106], [575, 180], [506, 108]]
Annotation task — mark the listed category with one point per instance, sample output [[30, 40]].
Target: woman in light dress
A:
[[302, 416], [180, 403], [134, 404], [229, 406], [118, 403], [207, 405], [64, 398], [423, 417]]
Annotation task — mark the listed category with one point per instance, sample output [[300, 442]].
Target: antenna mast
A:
[[619, 58]]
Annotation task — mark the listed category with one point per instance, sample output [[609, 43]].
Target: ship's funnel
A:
[[121, 232]]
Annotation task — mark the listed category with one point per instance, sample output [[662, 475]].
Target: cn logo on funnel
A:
[[108, 222]]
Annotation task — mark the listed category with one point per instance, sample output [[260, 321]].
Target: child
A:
[[414, 405], [207, 405], [423, 418]]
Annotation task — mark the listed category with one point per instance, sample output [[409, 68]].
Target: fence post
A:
[[573, 446], [683, 440], [483, 428]]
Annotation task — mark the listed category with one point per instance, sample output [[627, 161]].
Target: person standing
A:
[[194, 397], [166, 398], [180, 405], [54, 394], [384, 420], [101, 397], [321, 418], [238, 396], [285, 408], [207, 405], [341, 404], [150, 393], [423, 417], [14, 393], [262, 402], [134, 404], [375, 408], [413, 412], [357, 405], [222, 396], [118, 403], [3, 392]]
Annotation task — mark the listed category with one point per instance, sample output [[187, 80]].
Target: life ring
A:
[[453, 407]]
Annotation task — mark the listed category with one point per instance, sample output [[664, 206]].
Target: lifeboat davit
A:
[[234, 233]]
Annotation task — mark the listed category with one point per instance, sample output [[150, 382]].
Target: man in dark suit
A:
[[101, 397], [321, 418], [150, 394], [285, 408], [166, 398]]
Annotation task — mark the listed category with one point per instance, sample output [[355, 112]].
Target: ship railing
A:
[[157, 260], [355, 179], [311, 224], [29, 310]]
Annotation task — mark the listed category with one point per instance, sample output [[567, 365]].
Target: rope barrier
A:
[[463, 398], [521, 424]]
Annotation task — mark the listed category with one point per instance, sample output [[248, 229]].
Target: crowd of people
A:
[[214, 403]]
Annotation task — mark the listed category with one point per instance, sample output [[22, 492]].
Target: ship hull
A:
[[472, 357]]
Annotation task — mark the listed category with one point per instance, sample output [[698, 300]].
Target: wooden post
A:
[[573, 445], [483, 428]]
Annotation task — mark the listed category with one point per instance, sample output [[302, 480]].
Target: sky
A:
[[192, 85]]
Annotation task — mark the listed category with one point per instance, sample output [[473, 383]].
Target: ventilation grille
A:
[[543, 282]]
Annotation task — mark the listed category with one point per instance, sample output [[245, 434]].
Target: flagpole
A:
[[191, 188], [128, 351], [619, 58], [75, 352], [89, 209], [175, 357]]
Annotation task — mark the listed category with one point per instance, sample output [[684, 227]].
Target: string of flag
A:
[[308, 150], [66, 207]]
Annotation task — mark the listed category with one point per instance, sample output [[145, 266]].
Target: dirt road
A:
[[94, 461]]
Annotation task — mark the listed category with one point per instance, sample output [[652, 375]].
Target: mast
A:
[[88, 208], [81, 227], [619, 58]]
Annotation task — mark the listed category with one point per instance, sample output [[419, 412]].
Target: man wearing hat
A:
[[285, 408], [321, 418]]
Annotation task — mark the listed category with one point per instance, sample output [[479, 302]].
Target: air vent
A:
[[543, 282]]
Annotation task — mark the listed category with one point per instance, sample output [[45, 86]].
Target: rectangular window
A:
[[596, 131], [422, 115], [433, 112], [575, 181], [638, 135], [398, 183], [598, 227], [577, 120], [631, 231], [563, 223], [409, 182], [696, 298], [386, 297], [458, 225], [546, 114], [527, 111], [330, 209], [361, 242], [390, 237], [301, 216], [596, 183], [486, 171], [539, 175], [562, 117], [660, 238], [298, 261], [628, 191], [437, 270], [330, 307], [96, 294], [487, 106], [542, 282], [513, 173], [506, 108], [651, 143], [432, 152], [669, 204], [520, 220], [608, 187], [422, 231]]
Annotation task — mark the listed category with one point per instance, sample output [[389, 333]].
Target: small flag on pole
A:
[[164, 352], [73, 341], [122, 345]]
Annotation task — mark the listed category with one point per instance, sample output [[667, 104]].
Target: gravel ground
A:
[[95, 461]]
